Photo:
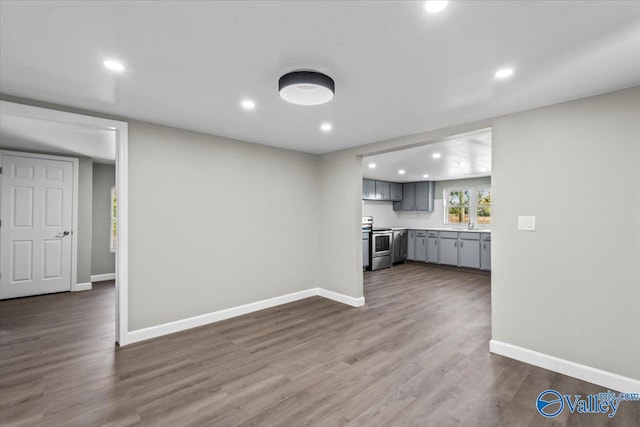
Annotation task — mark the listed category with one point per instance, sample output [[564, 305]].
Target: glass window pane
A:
[[484, 197], [454, 198], [465, 197], [458, 215], [484, 215]]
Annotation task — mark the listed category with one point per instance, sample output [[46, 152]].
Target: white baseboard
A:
[[103, 277], [216, 316], [82, 287], [345, 299], [582, 372]]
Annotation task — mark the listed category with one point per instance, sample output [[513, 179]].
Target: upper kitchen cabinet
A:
[[396, 191], [368, 189], [416, 196], [383, 190], [425, 193]]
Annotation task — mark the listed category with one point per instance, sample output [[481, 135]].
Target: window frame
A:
[[472, 205]]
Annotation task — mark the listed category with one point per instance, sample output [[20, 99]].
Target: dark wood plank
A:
[[416, 354]]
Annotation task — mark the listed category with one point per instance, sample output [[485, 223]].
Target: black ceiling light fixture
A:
[[306, 87]]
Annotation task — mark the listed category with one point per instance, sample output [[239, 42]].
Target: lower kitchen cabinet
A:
[[411, 245], [449, 248], [365, 250], [421, 246], [485, 251], [432, 247], [469, 250]]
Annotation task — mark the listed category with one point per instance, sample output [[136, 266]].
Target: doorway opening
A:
[[53, 146], [430, 203]]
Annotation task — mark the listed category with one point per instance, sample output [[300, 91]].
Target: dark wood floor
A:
[[416, 354]]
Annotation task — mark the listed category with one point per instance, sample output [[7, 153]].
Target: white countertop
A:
[[465, 230]]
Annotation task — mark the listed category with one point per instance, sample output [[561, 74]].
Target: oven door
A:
[[381, 244]]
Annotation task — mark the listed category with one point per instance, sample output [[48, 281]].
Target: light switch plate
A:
[[527, 223]]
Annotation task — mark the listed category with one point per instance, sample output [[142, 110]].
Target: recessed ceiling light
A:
[[113, 65], [401, 171], [503, 73], [435, 6], [306, 87], [483, 170], [326, 127], [436, 155], [426, 175], [372, 165], [248, 104]]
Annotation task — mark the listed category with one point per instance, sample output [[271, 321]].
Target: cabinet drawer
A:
[[486, 237], [448, 234], [365, 236], [432, 234], [421, 233], [470, 236]]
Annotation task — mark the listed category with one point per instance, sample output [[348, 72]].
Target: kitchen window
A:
[[464, 205]]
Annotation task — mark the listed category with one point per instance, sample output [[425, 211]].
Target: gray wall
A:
[[85, 191], [571, 289], [216, 223], [103, 261]]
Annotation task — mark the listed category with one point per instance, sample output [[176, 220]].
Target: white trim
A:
[[121, 131], [83, 287], [75, 164], [216, 316], [103, 277], [345, 299], [576, 370]]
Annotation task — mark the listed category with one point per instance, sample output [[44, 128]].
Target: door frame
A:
[[74, 206], [122, 186]]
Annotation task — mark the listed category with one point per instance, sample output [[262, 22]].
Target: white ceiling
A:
[[467, 156], [33, 135], [398, 70]]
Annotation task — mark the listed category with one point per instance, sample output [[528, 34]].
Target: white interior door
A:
[[36, 203]]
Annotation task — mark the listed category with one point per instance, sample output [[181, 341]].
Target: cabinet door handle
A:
[[455, 244], [484, 246], [435, 243], [461, 244]]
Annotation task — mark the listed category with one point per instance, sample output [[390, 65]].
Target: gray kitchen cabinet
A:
[[395, 189], [469, 250], [365, 250], [408, 202], [449, 248], [399, 246], [421, 246], [432, 247], [485, 251], [383, 190], [368, 189], [424, 195], [411, 245], [416, 196]]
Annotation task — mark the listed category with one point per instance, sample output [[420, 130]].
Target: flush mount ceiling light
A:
[[306, 87], [248, 104], [372, 165], [435, 6], [113, 65], [426, 175], [436, 155], [503, 73], [326, 127], [401, 171]]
